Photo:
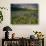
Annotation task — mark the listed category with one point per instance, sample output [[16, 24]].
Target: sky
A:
[[25, 5]]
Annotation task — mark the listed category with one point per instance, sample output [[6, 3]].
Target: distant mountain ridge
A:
[[18, 8]]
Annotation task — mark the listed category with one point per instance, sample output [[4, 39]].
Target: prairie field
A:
[[24, 17]]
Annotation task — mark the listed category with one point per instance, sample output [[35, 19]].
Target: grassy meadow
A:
[[24, 17]]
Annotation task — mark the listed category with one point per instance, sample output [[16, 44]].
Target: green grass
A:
[[24, 17]]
